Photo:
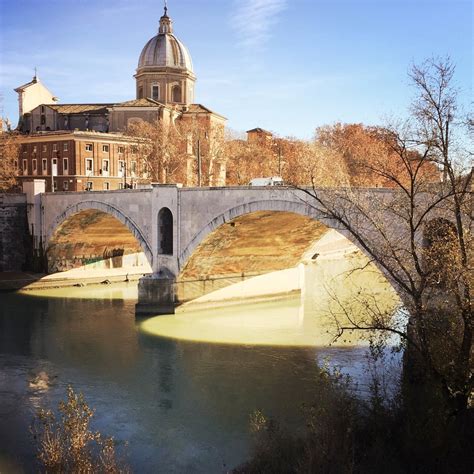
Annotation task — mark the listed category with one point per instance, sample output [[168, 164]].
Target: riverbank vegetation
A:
[[65, 443], [346, 434]]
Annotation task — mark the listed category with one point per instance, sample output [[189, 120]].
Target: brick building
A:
[[80, 161]]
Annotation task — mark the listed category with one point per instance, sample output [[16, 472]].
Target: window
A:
[[133, 168], [89, 147], [45, 148], [65, 165], [23, 147], [121, 149], [121, 168], [105, 148], [89, 166], [89, 186], [65, 186], [65, 146], [134, 149], [42, 109], [55, 185], [176, 94], [120, 185], [54, 166], [55, 147], [105, 167], [25, 166], [155, 92], [140, 92], [106, 186], [44, 166], [35, 169]]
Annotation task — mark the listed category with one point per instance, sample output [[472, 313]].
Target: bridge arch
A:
[[108, 209], [297, 207]]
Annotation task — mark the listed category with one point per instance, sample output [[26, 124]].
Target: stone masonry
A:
[[13, 232]]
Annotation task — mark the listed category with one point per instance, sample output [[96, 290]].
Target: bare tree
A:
[[429, 258], [9, 153]]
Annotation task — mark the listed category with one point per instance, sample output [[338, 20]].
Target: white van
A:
[[272, 181]]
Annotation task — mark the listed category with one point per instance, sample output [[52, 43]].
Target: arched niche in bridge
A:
[[165, 232]]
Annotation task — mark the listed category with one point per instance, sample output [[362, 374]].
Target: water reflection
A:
[[331, 288]]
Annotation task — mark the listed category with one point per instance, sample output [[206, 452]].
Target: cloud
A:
[[253, 21]]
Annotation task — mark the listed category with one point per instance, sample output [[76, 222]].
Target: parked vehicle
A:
[[272, 181]]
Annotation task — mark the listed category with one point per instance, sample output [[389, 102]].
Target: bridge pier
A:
[[156, 294]]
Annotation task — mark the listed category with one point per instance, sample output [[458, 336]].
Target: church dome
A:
[[165, 50]]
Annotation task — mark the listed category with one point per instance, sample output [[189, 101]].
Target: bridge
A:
[[169, 221]]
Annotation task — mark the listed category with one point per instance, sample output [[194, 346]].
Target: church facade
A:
[[165, 83]]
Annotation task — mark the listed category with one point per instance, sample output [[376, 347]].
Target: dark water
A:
[[183, 406]]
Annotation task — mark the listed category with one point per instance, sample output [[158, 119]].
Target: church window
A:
[[176, 93], [155, 92], [120, 150], [88, 146], [105, 148]]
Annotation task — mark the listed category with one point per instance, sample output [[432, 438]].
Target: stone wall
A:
[[13, 232]]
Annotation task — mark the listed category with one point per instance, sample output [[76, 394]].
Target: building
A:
[[80, 161], [165, 83], [259, 136]]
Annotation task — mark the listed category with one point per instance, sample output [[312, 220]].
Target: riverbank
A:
[[14, 281]]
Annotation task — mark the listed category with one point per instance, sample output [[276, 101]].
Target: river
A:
[[180, 388]]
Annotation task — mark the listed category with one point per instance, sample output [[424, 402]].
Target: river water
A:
[[179, 389]]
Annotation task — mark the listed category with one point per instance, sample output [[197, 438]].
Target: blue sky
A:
[[284, 65]]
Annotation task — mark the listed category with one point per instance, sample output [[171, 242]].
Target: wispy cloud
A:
[[253, 21]]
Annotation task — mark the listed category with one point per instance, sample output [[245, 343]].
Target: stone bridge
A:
[[169, 222]]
